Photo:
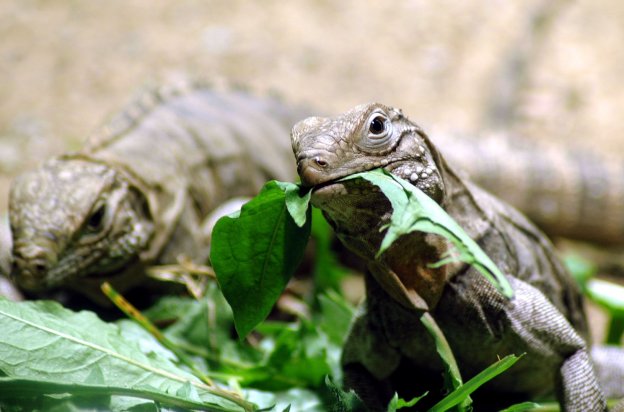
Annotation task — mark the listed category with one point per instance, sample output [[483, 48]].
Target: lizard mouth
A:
[[406, 169]]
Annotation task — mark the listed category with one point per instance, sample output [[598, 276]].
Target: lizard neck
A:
[[411, 259]]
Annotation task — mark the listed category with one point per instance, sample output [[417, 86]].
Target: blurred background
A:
[[546, 69]]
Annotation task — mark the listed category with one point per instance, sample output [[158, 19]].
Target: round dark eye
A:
[[96, 218], [377, 125]]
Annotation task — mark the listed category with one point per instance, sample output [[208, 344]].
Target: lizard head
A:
[[367, 137], [74, 218]]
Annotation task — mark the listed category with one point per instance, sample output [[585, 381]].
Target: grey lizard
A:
[[388, 349]]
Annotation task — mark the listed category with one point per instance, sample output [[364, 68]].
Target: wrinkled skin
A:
[[388, 350], [142, 190], [75, 217]]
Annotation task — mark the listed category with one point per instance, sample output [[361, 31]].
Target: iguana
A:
[[140, 189], [387, 349], [177, 152]]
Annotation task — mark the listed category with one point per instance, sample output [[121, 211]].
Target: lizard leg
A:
[[367, 361], [578, 387], [549, 335], [609, 365]]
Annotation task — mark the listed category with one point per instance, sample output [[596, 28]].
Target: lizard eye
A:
[[94, 223], [378, 132], [377, 125]]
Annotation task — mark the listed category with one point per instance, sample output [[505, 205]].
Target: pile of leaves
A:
[[220, 353]]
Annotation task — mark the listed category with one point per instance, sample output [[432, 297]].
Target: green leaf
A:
[[446, 354], [328, 271], [297, 399], [582, 270], [397, 403], [413, 211], [29, 388], [255, 254], [462, 392], [337, 400], [204, 327], [45, 348], [337, 315], [521, 407], [297, 201], [607, 294], [296, 357]]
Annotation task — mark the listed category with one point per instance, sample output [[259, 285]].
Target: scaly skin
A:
[[568, 192], [139, 191], [388, 349], [173, 156]]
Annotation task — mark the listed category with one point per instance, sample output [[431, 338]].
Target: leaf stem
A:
[[446, 354], [134, 314]]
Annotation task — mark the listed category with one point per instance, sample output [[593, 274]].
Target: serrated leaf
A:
[[397, 403], [45, 346], [255, 254], [337, 400], [31, 388], [413, 211]]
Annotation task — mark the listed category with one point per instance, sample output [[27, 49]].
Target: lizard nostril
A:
[[40, 268], [320, 162]]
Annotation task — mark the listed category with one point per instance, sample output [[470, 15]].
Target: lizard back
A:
[[172, 157]]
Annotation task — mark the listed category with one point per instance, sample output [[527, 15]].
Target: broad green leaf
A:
[[328, 272], [336, 316], [413, 211], [255, 253], [462, 392], [43, 343], [26, 389]]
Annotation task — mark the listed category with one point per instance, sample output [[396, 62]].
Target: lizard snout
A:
[[29, 277], [313, 169], [30, 267]]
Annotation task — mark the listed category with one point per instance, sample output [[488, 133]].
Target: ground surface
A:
[[66, 66]]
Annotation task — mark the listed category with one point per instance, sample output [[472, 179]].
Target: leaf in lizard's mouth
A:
[[416, 173], [336, 187]]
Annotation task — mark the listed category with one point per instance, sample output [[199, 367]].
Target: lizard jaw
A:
[[420, 175]]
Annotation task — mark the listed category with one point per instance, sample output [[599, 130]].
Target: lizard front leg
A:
[[547, 335], [367, 361], [578, 388]]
